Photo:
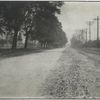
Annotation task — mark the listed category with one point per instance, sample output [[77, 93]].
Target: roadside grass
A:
[[5, 53], [91, 50]]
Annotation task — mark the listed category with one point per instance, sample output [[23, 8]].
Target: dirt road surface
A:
[[22, 76], [56, 73], [77, 75]]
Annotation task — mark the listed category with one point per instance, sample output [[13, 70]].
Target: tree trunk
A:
[[14, 44], [26, 40]]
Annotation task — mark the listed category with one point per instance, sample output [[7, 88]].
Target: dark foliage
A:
[[37, 19], [95, 43]]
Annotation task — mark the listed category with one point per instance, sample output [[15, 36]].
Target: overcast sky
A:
[[74, 15]]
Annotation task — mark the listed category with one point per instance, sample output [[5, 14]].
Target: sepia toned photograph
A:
[[50, 49]]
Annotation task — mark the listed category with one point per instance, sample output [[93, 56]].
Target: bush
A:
[[94, 43]]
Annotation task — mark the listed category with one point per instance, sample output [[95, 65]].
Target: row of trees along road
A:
[[37, 19]]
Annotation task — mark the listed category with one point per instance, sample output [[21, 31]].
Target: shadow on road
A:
[[5, 53]]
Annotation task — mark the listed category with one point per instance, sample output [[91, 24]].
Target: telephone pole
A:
[[89, 24], [86, 35], [97, 19], [98, 27]]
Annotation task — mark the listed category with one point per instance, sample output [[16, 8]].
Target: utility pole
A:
[[89, 23], [86, 35], [90, 30], [82, 32], [97, 19]]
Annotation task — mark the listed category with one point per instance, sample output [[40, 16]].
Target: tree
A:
[[28, 24], [13, 13], [46, 22], [38, 19], [76, 40]]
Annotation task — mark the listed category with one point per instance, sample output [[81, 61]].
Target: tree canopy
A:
[[37, 19]]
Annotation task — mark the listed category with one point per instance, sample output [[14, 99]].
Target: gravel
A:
[[75, 76]]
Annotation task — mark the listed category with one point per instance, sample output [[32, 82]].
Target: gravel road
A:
[[22, 76], [56, 73], [77, 75]]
